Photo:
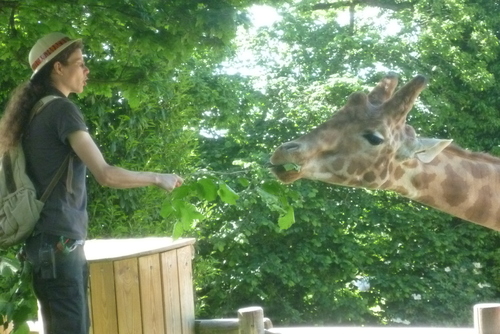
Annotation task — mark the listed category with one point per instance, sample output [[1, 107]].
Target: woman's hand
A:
[[169, 181]]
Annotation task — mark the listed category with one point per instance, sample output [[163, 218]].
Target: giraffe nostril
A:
[[291, 146]]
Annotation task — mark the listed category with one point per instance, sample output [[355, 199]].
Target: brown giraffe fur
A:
[[368, 144]]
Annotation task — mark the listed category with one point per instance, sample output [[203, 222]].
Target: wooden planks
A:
[[128, 298], [171, 293], [487, 318], [150, 293], [186, 293], [151, 285], [103, 300]]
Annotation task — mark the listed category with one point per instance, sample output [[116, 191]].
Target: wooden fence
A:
[[144, 286], [251, 321]]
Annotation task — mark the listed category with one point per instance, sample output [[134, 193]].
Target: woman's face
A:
[[71, 78]]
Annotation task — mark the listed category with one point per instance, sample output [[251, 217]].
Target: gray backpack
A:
[[19, 207]]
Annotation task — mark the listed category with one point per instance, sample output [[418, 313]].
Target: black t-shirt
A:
[[46, 146]]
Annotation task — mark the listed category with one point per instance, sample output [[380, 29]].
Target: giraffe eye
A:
[[374, 138]]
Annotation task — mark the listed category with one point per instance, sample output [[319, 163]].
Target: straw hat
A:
[[46, 48]]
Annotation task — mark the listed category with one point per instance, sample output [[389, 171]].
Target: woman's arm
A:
[[116, 177]]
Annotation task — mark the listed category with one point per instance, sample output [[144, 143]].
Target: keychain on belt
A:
[[66, 245]]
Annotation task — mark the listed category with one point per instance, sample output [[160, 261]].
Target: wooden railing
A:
[[141, 286], [251, 321]]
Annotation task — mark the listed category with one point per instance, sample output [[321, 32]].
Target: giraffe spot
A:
[[351, 168], [379, 162], [398, 172], [356, 167], [340, 179], [369, 177], [410, 163], [383, 174], [401, 190], [422, 180], [427, 200], [480, 210], [353, 182], [338, 164], [477, 171], [497, 220], [386, 151], [434, 162], [454, 187], [386, 185]]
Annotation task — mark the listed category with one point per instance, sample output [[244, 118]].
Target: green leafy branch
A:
[[195, 200], [179, 205]]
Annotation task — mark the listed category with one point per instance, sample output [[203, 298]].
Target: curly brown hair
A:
[[18, 110]]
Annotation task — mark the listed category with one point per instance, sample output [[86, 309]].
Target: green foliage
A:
[[148, 62], [17, 304], [424, 267]]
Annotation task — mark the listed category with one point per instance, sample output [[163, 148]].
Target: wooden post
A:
[[487, 318], [217, 326], [251, 320], [223, 326]]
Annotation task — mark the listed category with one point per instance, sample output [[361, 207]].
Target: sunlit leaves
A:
[[286, 220], [184, 204], [207, 189], [227, 194]]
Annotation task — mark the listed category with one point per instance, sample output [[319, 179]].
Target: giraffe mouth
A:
[[287, 172]]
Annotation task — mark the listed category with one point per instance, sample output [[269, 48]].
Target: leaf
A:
[[227, 194], [8, 267], [243, 181], [178, 230], [291, 166], [182, 192], [166, 210], [189, 214], [287, 220], [207, 189], [22, 329], [272, 201], [273, 187]]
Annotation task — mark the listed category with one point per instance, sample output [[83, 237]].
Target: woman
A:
[[56, 247]]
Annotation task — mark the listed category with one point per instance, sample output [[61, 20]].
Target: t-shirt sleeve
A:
[[68, 119]]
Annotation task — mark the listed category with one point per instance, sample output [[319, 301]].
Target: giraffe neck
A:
[[458, 182]]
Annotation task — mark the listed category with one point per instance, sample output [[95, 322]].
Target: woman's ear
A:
[[57, 68]]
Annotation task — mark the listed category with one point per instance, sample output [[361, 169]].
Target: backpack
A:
[[19, 207]]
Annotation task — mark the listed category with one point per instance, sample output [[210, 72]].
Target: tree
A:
[[413, 257], [141, 102]]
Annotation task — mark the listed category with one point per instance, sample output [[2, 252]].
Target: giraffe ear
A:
[[429, 148]]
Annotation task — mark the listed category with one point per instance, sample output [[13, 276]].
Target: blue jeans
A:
[[62, 290]]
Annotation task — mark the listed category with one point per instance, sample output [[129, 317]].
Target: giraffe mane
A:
[[475, 156]]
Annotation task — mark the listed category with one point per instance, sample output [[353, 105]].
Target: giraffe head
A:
[[364, 143]]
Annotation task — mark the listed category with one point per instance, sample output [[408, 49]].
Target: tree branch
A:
[[374, 3], [12, 22], [8, 4]]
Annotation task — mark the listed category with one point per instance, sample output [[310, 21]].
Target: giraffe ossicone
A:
[[368, 144]]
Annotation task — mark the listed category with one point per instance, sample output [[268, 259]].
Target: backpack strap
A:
[[55, 179], [67, 161], [9, 173], [41, 104]]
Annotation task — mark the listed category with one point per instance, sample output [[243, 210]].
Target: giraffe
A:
[[368, 144]]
